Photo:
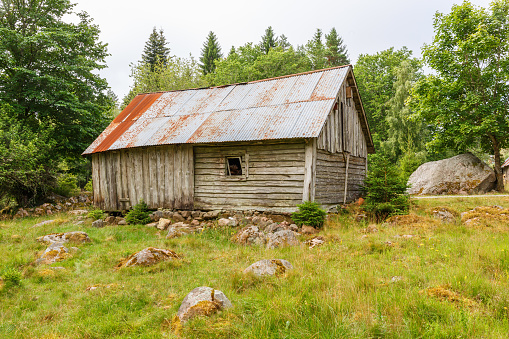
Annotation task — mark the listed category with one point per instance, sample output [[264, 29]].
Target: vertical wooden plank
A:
[[96, 181], [170, 195], [337, 128], [185, 173], [308, 171], [330, 132], [190, 176], [129, 175], [161, 176], [138, 174], [177, 184], [346, 177], [104, 181], [153, 168], [118, 178], [146, 194]]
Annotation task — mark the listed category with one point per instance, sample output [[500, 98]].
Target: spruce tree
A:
[[155, 50], [336, 51], [283, 42], [210, 52], [269, 40], [316, 51]]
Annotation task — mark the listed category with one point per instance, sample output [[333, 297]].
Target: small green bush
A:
[[385, 189], [139, 214], [89, 186], [96, 214], [310, 214], [67, 185], [11, 277]]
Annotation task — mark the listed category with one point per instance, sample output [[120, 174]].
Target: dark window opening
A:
[[233, 166]]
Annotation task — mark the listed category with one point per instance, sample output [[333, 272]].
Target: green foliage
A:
[[11, 277], [409, 162], [67, 185], [269, 40], [336, 52], [310, 214], [385, 189], [465, 100], [316, 51], [210, 52], [89, 186], [27, 166], [139, 214], [155, 50], [49, 62], [95, 214], [376, 77]]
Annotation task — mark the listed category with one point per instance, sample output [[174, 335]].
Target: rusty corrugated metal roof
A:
[[293, 106], [506, 163]]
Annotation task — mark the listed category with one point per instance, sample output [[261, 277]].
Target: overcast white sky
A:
[[367, 26]]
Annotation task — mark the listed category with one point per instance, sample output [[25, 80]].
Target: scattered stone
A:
[[122, 222], [269, 267], [152, 224], [78, 212], [148, 256], [318, 241], [463, 173], [79, 222], [156, 215], [98, 223], [211, 215], [250, 235], [274, 227], [195, 222], [202, 301], [177, 217], [75, 237], [110, 220], [179, 229], [197, 214], [308, 230], [42, 223], [407, 236], [163, 223], [281, 239], [185, 214], [231, 222], [167, 214], [396, 279], [55, 252]]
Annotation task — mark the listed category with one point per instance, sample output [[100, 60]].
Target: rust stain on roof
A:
[[291, 106]]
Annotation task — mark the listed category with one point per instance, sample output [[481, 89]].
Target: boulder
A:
[[281, 239], [462, 174], [148, 256], [179, 229], [75, 237], [269, 267], [163, 223], [202, 301], [55, 252], [98, 223], [250, 235]]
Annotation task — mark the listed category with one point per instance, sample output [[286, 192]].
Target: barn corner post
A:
[[308, 193]]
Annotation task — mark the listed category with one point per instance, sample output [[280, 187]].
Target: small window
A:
[[233, 166]]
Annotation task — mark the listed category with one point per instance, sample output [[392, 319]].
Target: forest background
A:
[[53, 104]]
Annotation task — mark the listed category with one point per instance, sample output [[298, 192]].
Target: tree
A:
[[174, 74], [269, 40], [316, 51], [336, 52], [376, 76], [283, 42], [466, 100], [155, 50], [210, 52], [48, 72]]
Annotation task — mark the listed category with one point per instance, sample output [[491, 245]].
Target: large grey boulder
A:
[[202, 301], [269, 267], [462, 174]]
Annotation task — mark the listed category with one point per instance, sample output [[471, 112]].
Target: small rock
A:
[[42, 223], [149, 256], [223, 222], [202, 301], [269, 267], [119, 219], [185, 214], [197, 214], [274, 227], [179, 229], [250, 235], [293, 227], [122, 222], [79, 222], [396, 279], [167, 214], [281, 239], [195, 223], [407, 236], [177, 217], [308, 230], [315, 242], [211, 215], [78, 212], [152, 224], [110, 220], [156, 215], [163, 223], [75, 237], [98, 223], [55, 252], [443, 215]]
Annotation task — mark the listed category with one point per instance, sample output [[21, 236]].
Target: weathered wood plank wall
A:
[[274, 176], [162, 176]]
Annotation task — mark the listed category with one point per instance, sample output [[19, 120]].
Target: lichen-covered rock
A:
[[250, 235], [98, 223], [274, 227], [269, 267], [75, 237], [149, 256], [42, 223], [281, 239], [202, 301], [163, 223], [232, 222], [179, 229], [464, 173], [55, 252]]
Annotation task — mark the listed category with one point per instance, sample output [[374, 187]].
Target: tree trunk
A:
[[498, 166]]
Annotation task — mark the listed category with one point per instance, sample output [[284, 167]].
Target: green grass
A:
[[342, 289]]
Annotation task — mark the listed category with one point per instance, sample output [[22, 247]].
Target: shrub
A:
[[96, 214], [385, 190], [139, 214], [310, 214], [89, 186], [67, 185], [11, 277]]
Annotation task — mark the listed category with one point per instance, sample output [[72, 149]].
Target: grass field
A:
[[446, 281]]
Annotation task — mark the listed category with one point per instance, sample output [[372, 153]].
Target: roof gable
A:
[[293, 106]]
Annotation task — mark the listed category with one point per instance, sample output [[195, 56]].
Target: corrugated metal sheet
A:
[[293, 106], [506, 163]]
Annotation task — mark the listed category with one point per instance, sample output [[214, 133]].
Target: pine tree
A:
[[316, 51], [269, 40], [336, 51], [155, 50], [210, 52], [283, 42]]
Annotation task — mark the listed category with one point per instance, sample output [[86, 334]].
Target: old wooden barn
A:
[[262, 145]]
